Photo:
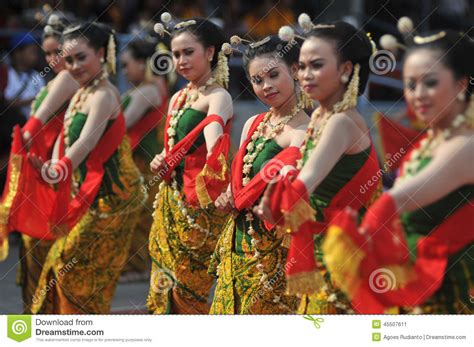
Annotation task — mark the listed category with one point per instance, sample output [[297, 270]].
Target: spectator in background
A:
[[23, 81], [268, 17]]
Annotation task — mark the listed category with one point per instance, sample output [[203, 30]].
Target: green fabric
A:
[[111, 175], [270, 149], [341, 173], [460, 268], [39, 99], [187, 122], [337, 178], [148, 146]]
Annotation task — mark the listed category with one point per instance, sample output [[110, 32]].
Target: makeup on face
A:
[[82, 61]]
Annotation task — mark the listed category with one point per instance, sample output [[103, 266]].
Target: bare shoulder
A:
[[459, 146], [64, 76], [146, 92], [220, 94], [106, 99], [249, 121], [341, 123]]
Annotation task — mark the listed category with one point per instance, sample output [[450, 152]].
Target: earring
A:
[[209, 58], [344, 79], [102, 60], [461, 96]]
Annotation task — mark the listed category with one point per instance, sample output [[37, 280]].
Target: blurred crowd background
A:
[[22, 21]]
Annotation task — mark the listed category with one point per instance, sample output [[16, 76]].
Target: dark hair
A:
[[288, 52], [351, 45], [96, 34], [456, 53], [141, 49], [207, 33], [55, 29]]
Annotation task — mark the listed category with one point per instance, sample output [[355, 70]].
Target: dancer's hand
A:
[[262, 210], [225, 202], [157, 162]]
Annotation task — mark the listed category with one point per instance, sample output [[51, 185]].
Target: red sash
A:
[[203, 173], [245, 197], [287, 201], [40, 211], [426, 274], [147, 123]]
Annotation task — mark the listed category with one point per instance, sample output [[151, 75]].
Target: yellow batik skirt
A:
[[240, 288], [81, 269], [139, 258], [179, 282], [33, 254]]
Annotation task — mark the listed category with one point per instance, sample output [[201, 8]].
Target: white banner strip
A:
[[242, 331]]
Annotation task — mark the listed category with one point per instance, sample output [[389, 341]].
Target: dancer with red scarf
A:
[[413, 251], [338, 157], [38, 136], [193, 169], [250, 257], [91, 161]]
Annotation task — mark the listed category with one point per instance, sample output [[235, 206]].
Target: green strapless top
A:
[[340, 174], [242, 243], [422, 221], [111, 179], [453, 295], [187, 122]]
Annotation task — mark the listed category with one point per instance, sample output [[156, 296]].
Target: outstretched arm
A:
[[450, 169], [220, 103], [142, 99]]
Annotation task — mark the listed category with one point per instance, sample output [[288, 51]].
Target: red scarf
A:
[[287, 204], [414, 282], [40, 211], [245, 197], [205, 176]]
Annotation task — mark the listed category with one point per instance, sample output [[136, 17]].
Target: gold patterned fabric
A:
[[81, 269], [180, 254], [33, 254], [139, 260], [240, 288]]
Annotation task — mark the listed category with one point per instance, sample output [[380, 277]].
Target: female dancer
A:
[[82, 268], [194, 171], [415, 251], [46, 119], [337, 158], [250, 257], [144, 105]]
